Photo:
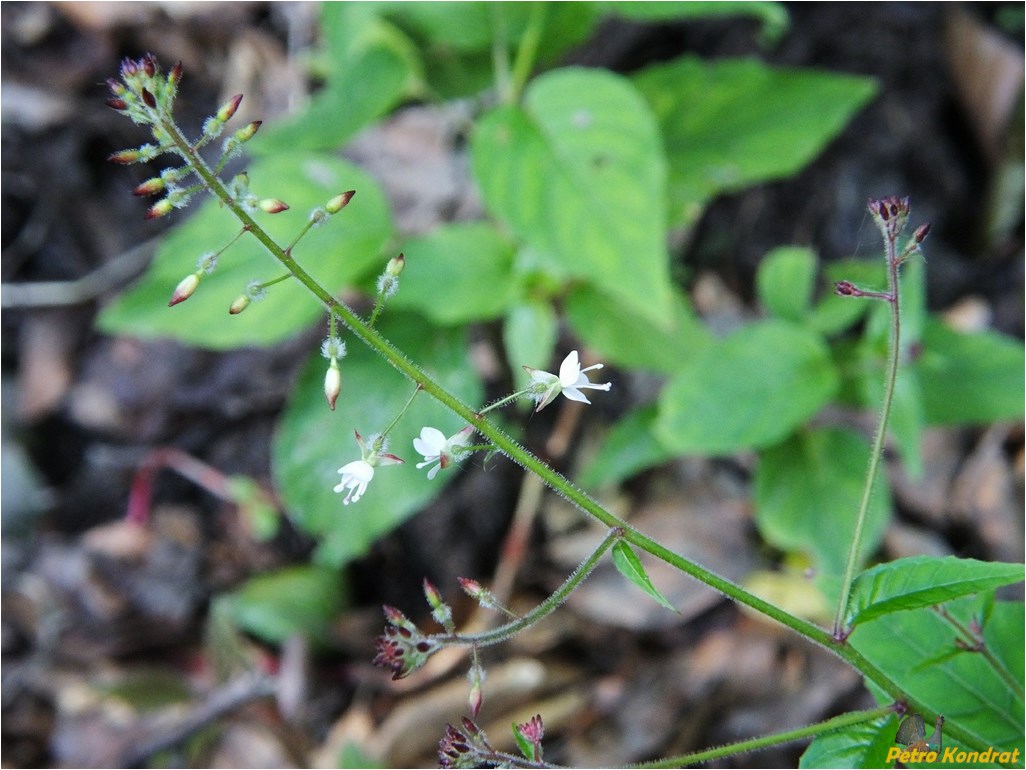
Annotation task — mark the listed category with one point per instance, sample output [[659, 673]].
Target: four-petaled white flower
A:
[[358, 474], [438, 449], [570, 382]]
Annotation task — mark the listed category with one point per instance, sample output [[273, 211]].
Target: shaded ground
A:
[[106, 626]]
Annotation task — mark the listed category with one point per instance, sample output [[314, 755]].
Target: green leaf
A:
[[457, 274], [280, 604], [630, 566], [578, 173], [859, 746], [529, 333], [772, 15], [747, 391], [966, 689], [622, 337], [337, 254], [372, 67], [833, 314], [923, 581], [732, 123], [630, 447], [785, 280], [313, 442], [807, 495], [970, 378]]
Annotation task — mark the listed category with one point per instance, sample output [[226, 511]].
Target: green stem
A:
[[876, 453], [775, 739], [527, 51], [977, 644], [374, 340], [503, 632], [500, 54]]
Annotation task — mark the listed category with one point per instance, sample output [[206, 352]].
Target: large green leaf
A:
[[337, 253], [578, 173], [630, 447], [621, 337], [747, 391], [963, 686], [785, 281], [732, 123], [923, 581], [457, 273], [807, 495], [858, 746], [313, 442]]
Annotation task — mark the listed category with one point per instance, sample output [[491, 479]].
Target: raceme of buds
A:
[[890, 214], [339, 202], [529, 736], [468, 747], [332, 383], [402, 648], [185, 289]]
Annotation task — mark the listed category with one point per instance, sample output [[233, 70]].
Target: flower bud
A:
[[174, 75], [185, 289], [149, 64], [159, 209], [332, 383], [241, 303], [339, 202], [150, 187], [247, 132], [117, 104], [921, 232], [149, 99], [272, 205], [125, 157], [395, 266], [845, 289], [228, 108]]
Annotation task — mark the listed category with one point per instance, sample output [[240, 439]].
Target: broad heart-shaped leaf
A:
[[337, 253], [280, 604], [456, 274], [732, 123], [371, 68], [968, 378], [578, 173], [965, 688], [807, 495], [630, 566], [785, 280], [747, 391], [630, 447], [622, 337], [858, 746], [312, 442], [529, 333], [923, 581]]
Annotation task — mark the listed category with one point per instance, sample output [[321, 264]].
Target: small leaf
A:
[[923, 581], [858, 746], [785, 280], [630, 566]]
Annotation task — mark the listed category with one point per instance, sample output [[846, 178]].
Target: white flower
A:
[[358, 474], [355, 477], [571, 380], [436, 448]]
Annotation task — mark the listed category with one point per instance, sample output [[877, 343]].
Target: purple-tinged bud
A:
[[117, 104], [185, 289], [272, 206], [921, 232], [228, 108], [395, 266], [174, 75], [472, 588], [159, 209], [125, 157], [149, 99], [149, 64], [475, 698], [116, 87], [241, 303], [432, 594], [846, 289], [129, 67], [332, 383], [248, 131], [339, 202], [150, 187]]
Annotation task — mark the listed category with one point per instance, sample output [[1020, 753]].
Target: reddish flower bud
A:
[[174, 75], [845, 288], [248, 131], [185, 289], [339, 202], [149, 99], [117, 104], [273, 206], [921, 232], [149, 65], [117, 88], [159, 209], [150, 187], [228, 108], [241, 303], [125, 157]]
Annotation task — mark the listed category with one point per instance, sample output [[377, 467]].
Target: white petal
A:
[[434, 471], [570, 369], [430, 443], [575, 395]]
